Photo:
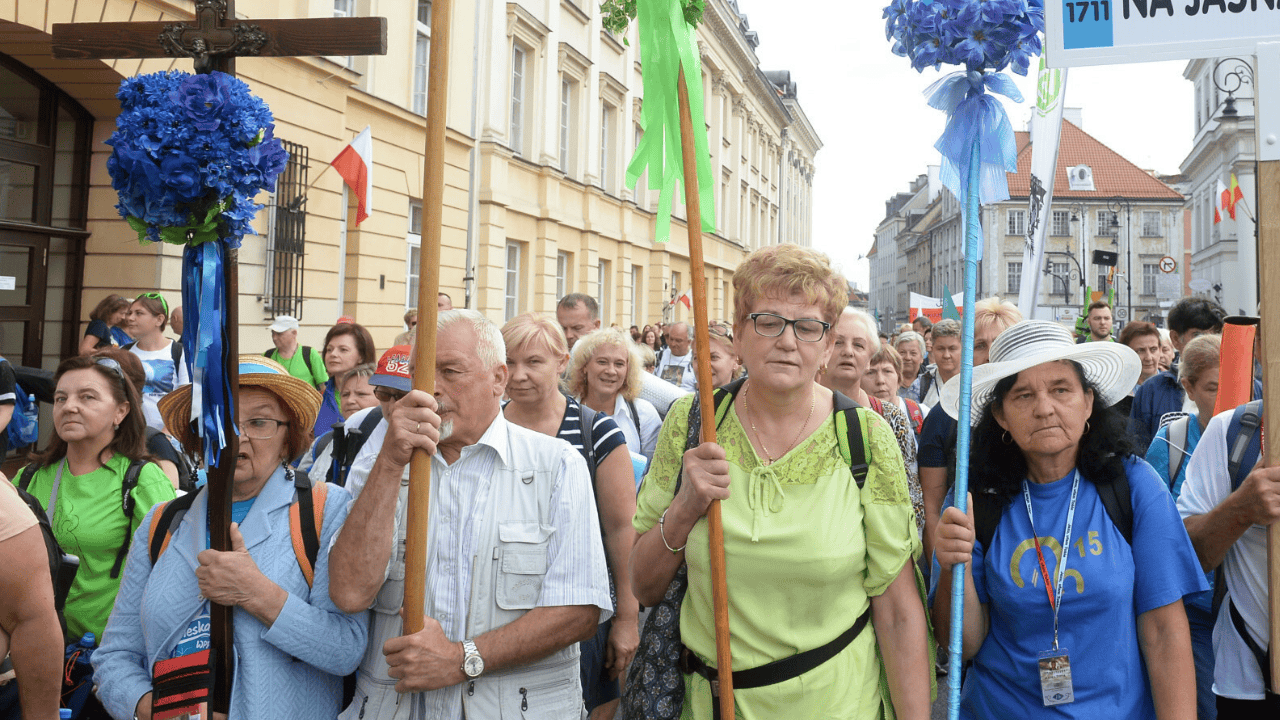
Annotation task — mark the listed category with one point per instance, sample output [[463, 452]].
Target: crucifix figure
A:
[[213, 42]]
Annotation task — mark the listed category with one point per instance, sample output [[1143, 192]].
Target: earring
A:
[[115, 427], [1006, 438], [823, 370], [1087, 427]]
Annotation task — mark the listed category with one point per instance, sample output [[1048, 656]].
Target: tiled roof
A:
[[1112, 174]]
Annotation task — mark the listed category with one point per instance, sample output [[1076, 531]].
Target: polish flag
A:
[[1224, 199], [355, 165], [687, 298]]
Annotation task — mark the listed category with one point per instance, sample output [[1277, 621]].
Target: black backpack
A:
[[127, 504], [988, 508], [62, 566], [346, 445]]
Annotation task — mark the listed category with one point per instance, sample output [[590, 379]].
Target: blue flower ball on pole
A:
[[191, 152], [983, 37]]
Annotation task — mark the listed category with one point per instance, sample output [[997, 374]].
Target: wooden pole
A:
[[706, 398], [424, 374], [1269, 293]]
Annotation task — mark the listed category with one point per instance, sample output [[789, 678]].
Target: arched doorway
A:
[[44, 173]]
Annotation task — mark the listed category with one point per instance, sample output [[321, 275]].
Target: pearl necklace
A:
[[813, 402]]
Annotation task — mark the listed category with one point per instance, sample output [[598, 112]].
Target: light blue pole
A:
[[972, 246]]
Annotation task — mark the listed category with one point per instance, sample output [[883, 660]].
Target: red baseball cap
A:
[[393, 369], [346, 319]]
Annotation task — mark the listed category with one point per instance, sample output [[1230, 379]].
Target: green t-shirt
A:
[[89, 523], [297, 366]]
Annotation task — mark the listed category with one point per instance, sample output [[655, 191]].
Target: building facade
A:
[[1122, 209], [1223, 255], [543, 116]]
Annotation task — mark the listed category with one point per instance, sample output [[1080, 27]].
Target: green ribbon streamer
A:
[[666, 43]]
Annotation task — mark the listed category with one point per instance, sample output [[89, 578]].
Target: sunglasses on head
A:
[[157, 296]]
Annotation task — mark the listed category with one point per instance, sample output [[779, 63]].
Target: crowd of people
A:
[[561, 448]]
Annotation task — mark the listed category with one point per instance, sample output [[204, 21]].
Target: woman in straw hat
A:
[[292, 644], [1052, 467]]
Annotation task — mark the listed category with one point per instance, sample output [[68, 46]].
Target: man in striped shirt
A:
[[515, 565]]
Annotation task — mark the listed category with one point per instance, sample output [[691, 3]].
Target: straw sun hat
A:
[[301, 401], [1111, 367]]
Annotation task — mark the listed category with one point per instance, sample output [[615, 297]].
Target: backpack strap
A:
[[306, 359], [853, 446], [162, 522], [1177, 442], [25, 477], [988, 508], [723, 401], [1118, 504], [267, 354], [1244, 441], [586, 425], [127, 503], [306, 519], [175, 352], [1262, 656], [917, 417], [635, 417]]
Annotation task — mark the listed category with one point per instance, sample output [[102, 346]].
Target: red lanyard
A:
[[1044, 569]]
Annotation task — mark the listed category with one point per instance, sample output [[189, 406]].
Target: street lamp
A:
[[1066, 280], [1239, 75], [1115, 205]]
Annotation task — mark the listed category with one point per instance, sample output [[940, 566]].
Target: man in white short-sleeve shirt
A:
[[1230, 529]]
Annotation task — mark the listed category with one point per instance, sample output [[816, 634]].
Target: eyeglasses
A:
[[111, 365], [260, 428], [157, 296], [721, 330], [386, 394], [806, 329]]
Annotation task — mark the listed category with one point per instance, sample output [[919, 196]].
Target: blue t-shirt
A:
[[1105, 592], [1158, 456], [935, 448], [329, 413]]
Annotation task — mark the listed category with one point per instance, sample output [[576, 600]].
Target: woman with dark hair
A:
[[105, 325], [291, 644], [1049, 453], [346, 345], [99, 436], [163, 451], [651, 339]]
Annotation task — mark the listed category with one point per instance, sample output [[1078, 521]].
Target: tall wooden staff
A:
[[1269, 292], [706, 394], [424, 374]]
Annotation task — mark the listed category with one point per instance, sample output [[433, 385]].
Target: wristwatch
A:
[[472, 663]]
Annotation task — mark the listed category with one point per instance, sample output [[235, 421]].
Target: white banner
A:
[[1046, 125]]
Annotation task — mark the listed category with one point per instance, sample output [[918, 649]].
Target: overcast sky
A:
[[868, 108]]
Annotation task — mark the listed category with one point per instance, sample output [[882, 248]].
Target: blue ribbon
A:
[[974, 115], [204, 341]]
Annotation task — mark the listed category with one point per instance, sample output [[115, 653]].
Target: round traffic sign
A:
[[1168, 264]]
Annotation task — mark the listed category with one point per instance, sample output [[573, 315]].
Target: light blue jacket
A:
[[292, 669]]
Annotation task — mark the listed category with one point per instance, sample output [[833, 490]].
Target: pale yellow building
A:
[[543, 118]]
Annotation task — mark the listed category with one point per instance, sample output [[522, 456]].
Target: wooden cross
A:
[[213, 42]]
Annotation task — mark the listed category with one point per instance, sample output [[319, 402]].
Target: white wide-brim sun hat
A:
[[1112, 368]]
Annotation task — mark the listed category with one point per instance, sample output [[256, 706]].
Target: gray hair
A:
[[868, 325], [490, 348], [1199, 355], [911, 336], [946, 328]]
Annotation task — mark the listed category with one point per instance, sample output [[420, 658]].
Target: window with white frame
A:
[[637, 295], [421, 52], [1104, 273], [511, 291], [608, 114], [1013, 277], [1150, 271], [563, 262], [1061, 223], [1151, 224], [1017, 222], [1108, 223], [414, 241], [567, 145], [519, 74], [602, 282]]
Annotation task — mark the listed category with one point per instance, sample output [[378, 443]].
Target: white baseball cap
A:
[[284, 323]]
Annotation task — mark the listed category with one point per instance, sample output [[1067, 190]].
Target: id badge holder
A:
[[1055, 677]]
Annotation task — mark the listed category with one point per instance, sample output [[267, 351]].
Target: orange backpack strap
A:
[[306, 520], [162, 519]]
